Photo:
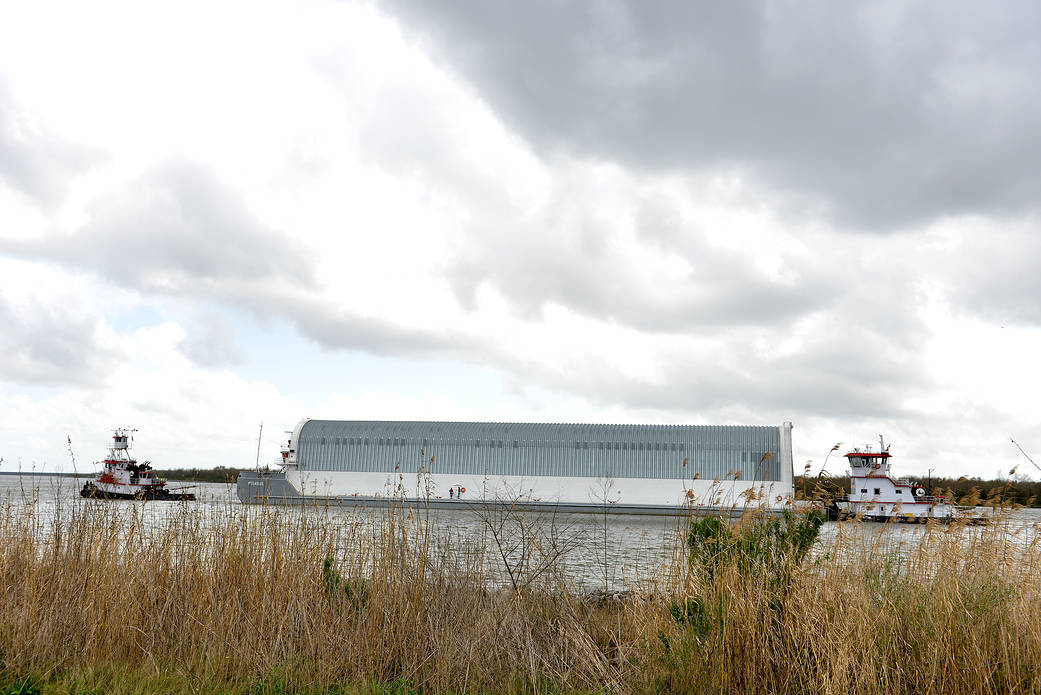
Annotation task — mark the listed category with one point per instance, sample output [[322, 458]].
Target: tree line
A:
[[220, 474], [1014, 491]]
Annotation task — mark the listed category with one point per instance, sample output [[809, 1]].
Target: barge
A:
[[623, 469]]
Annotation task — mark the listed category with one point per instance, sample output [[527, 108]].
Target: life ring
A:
[[462, 490], [878, 465], [918, 492]]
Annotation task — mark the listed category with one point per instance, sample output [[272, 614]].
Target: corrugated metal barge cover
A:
[[544, 449]]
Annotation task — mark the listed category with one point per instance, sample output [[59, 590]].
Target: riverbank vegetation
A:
[[133, 598], [220, 474]]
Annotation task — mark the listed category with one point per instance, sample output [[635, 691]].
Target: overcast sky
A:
[[219, 214]]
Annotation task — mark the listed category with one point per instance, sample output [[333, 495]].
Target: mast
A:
[[261, 434]]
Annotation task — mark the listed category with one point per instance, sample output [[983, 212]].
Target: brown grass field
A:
[[253, 600]]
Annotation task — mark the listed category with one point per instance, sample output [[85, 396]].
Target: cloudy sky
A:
[[219, 214]]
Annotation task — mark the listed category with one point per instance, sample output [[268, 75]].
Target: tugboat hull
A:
[[91, 491]]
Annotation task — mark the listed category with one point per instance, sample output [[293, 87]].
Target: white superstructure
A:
[[875, 494]]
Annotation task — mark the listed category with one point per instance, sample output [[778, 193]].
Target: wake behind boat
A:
[[123, 478]]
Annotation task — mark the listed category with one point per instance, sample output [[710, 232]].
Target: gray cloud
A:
[[860, 358], [567, 254], [210, 342], [33, 160], [565, 250], [881, 116], [176, 229], [996, 274], [856, 356], [334, 327], [857, 374], [572, 249], [50, 344]]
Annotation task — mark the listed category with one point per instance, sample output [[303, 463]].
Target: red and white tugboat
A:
[[874, 495], [123, 478]]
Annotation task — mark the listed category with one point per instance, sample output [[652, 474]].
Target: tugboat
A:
[[874, 495], [123, 478]]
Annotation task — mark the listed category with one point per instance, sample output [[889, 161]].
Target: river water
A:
[[605, 552]]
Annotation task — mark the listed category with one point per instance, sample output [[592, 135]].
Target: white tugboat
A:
[[875, 495], [123, 478]]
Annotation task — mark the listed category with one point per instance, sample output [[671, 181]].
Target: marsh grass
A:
[[238, 599]]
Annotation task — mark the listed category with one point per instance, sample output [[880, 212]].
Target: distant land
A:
[[1022, 492], [220, 474]]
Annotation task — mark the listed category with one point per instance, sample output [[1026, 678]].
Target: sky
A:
[[220, 214]]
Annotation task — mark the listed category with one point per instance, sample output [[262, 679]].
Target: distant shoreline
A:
[[1026, 493], [43, 474], [206, 475]]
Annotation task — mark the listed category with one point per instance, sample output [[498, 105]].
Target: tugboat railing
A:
[[931, 499]]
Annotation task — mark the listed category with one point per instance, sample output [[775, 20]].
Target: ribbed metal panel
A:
[[549, 449]]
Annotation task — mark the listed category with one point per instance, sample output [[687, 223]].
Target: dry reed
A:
[[236, 599]]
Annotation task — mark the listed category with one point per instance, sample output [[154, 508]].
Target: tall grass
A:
[[237, 599]]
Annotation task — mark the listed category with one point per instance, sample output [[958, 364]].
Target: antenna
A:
[[261, 434]]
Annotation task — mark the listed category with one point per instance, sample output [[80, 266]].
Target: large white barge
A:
[[656, 469]]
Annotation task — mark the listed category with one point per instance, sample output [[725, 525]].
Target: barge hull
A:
[[272, 488]]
